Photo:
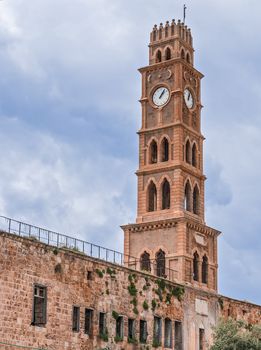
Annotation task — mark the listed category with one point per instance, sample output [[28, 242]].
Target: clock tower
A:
[[170, 237]]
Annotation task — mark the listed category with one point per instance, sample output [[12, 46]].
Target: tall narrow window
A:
[[131, 329], [165, 195], [143, 331], [158, 56], [178, 336], [194, 155], [88, 321], [187, 197], [145, 262], [201, 339], [188, 152], [205, 269], [195, 266], [196, 200], [160, 263], [182, 54], [188, 58], [153, 152], [152, 197], [76, 319], [119, 328], [168, 333], [168, 54], [164, 150], [157, 331], [39, 306], [102, 324]]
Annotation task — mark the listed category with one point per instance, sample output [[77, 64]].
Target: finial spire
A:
[[184, 13]]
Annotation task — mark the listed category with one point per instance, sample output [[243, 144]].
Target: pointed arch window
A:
[[187, 197], [152, 197], [153, 152], [194, 155], [164, 150], [196, 200], [165, 195], [158, 56], [160, 263], [188, 58], [182, 54], [195, 266], [188, 152], [145, 262], [168, 54], [205, 269]]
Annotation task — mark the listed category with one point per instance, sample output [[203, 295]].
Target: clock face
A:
[[188, 97], [161, 96]]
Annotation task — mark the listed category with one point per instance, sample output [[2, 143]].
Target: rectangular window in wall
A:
[[168, 333], [143, 331], [201, 339], [88, 321], [76, 319], [178, 336], [157, 331], [39, 305], [119, 327], [102, 324], [131, 329]]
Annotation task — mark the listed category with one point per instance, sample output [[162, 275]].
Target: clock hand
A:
[[163, 92]]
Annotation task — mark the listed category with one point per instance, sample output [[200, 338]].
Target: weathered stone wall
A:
[[75, 279]]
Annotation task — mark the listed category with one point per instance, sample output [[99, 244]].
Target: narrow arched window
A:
[[182, 54], [205, 269], [153, 152], [152, 197], [187, 197], [158, 56], [194, 155], [168, 54], [196, 200], [164, 150], [145, 262], [188, 58], [160, 263], [165, 195], [195, 266], [188, 152]]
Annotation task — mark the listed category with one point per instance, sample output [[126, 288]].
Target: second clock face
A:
[[188, 97], [160, 96]]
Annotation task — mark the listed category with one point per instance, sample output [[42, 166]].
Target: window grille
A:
[[145, 262], [131, 329], [160, 263], [102, 323], [178, 336], [143, 331], [39, 305], [201, 339], [157, 331], [76, 319], [168, 334], [88, 321], [119, 327]]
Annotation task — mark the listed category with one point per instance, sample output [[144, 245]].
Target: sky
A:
[[69, 112]]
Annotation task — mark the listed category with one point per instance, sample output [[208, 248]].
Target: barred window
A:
[[195, 266], [160, 263], [39, 305], [153, 152], [76, 319], [157, 331], [145, 262], [205, 270], [168, 333], [119, 327], [178, 336], [165, 195], [88, 321], [152, 197], [201, 339], [102, 324], [131, 329], [143, 331]]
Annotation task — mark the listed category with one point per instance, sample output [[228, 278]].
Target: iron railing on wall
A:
[[59, 240]]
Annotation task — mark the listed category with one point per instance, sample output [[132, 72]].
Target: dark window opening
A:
[[89, 275], [168, 333], [194, 155], [153, 152], [145, 262], [131, 329], [178, 336], [160, 263], [196, 200], [39, 306], [102, 324], [187, 197], [158, 56], [152, 197], [188, 58], [157, 331], [119, 327], [168, 53], [76, 319], [165, 150], [205, 270], [201, 339], [182, 54], [195, 266], [143, 331], [165, 195], [187, 152], [88, 321]]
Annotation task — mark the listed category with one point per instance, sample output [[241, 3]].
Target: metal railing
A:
[[59, 240]]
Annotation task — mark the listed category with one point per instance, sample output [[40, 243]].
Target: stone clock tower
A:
[[170, 237]]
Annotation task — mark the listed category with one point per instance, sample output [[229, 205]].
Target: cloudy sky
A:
[[69, 88]]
